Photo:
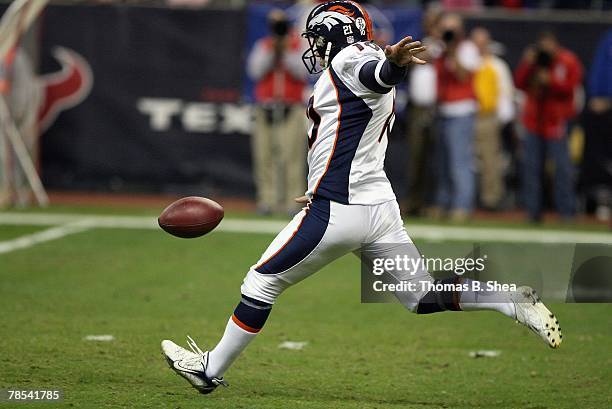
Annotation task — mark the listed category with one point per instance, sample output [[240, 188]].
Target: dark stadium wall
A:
[[165, 111], [169, 108]]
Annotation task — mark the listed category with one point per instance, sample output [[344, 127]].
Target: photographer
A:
[[457, 107], [549, 75], [279, 140], [421, 119]]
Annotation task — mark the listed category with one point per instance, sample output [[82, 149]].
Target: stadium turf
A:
[[142, 286]]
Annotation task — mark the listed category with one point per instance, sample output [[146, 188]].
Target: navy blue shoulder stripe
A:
[[353, 119]]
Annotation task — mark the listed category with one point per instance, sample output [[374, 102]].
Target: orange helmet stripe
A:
[[367, 19], [343, 10]]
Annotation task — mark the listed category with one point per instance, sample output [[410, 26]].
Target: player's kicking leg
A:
[[316, 236], [522, 305]]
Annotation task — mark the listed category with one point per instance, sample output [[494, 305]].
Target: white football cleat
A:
[[532, 313], [191, 365]]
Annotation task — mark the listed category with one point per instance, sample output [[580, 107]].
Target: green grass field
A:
[[142, 286]]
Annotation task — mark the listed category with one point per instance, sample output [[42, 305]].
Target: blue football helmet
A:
[[330, 27]]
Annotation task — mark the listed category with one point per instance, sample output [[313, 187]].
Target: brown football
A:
[[191, 217]]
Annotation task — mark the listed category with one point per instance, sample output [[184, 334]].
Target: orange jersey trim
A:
[[337, 131]]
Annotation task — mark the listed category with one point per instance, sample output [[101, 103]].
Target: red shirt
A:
[[279, 84], [548, 108], [451, 88]]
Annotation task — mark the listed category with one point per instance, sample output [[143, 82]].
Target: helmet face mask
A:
[[330, 27], [316, 57]]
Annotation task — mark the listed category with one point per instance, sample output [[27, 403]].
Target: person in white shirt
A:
[[421, 120], [457, 106]]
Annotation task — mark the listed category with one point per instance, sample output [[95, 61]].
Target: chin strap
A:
[[327, 53]]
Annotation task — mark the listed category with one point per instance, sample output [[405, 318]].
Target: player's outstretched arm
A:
[[381, 76]]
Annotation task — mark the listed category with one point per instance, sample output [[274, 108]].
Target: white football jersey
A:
[[348, 132]]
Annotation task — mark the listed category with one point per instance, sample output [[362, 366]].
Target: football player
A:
[[351, 206]]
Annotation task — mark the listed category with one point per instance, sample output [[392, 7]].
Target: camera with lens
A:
[[448, 36], [279, 28], [543, 58]]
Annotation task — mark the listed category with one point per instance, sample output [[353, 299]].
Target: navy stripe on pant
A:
[[303, 242]]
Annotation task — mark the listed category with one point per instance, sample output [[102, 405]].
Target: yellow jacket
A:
[[486, 86]]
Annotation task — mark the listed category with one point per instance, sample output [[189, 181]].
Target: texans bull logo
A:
[[65, 88]]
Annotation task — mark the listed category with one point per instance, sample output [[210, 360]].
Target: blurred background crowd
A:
[[512, 113], [480, 134], [447, 4]]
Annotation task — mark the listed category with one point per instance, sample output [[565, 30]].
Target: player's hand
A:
[[600, 104], [543, 77], [302, 199], [404, 52], [530, 54]]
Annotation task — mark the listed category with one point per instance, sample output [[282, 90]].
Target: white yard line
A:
[[424, 232], [487, 234], [33, 239], [132, 222]]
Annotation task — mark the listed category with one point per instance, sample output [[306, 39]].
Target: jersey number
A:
[[388, 123], [370, 44], [316, 121]]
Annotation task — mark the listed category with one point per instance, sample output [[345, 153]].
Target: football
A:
[[191, 217]]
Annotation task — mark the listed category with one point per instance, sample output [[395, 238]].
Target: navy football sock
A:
[[466, 297], [251, 314], [436, 301]]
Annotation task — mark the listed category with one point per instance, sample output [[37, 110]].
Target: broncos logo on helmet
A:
[[330, 27], [330, 19]]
